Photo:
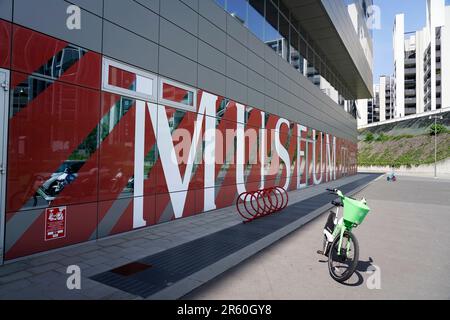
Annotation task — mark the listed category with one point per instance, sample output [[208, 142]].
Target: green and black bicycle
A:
[[340, 244]]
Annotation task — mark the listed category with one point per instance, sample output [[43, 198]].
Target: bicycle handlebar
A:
[[337, 203]]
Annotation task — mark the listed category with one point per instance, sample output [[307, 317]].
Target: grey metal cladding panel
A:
[[270, 72], [237, 30], [178, 40], [256, 45], [328, 108], [211, 57], [287, 69], [49, 17], [271, 57], [215, 14], [6, 9], [283, 96], [177, 67], [284, 82], [271, 105], [256, 81], [284, 111], [134, 17], [236, 91], [150, 4], [255, 99], [271, 89], [211, 81], [236, 71], [94, 6], [212, 35], [191, 3], [179, 13], [255, 63], [236, 50], [133, 49]]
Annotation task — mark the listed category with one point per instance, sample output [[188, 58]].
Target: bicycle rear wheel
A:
[[343, 264]]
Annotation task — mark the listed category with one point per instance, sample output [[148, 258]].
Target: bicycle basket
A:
[[355, 210]]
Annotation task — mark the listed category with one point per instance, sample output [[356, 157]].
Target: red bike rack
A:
[[252, 205]]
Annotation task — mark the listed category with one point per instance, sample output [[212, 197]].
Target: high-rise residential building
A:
[[421, 76], [422, 62], [381, 106], [93, 112]]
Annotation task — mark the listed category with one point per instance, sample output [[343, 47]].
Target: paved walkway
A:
[[44, 276], [406, 237]]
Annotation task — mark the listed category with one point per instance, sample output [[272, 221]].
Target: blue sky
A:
[[414, 11]]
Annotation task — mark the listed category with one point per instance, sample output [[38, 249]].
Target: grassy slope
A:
[[407, 151]]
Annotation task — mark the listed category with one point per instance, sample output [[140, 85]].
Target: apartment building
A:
[[422, 62]]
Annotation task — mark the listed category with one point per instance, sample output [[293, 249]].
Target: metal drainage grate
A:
[[131, 268]]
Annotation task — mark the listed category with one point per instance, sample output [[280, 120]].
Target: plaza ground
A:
[[406, 236]]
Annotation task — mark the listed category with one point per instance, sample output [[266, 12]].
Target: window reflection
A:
[[284, 32], [271, 35], [256, 19], [238, 9], [61, 62]]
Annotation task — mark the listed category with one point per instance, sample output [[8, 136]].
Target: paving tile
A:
[[50, 277], [45, 267], [6, 289], [15, 276], [46, 258], [13, 267]]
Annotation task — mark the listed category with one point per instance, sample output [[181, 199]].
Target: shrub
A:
[[382, 137], [369, 137], [438, 128]]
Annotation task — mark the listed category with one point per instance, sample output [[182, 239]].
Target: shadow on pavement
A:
[[362, 267]]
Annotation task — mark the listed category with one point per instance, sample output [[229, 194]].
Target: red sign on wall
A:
[[55, 223]]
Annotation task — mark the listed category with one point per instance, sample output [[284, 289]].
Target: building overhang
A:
[[330, 29]]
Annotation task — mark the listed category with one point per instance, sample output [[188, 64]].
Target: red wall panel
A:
[[37, 53], [46, 134], [5, 44]]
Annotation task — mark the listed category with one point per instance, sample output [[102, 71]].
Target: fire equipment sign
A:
[[55, 223]]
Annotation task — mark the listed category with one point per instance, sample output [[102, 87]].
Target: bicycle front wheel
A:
[[342, 264]]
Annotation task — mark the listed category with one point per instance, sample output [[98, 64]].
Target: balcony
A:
[[410, 61], [410, 71], [410, 92], [410, 100], [409, 111]]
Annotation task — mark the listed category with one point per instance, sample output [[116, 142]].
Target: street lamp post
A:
[[435, 117]]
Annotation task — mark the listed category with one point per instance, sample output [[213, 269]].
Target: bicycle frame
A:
[[341, 227]]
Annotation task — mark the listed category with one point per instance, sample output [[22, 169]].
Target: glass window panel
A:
[[303, 48], [256, 19], [178, 95], [121, 78], [271, 34], [295, 58], [284, 31], [238, 9], [126, 80]]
